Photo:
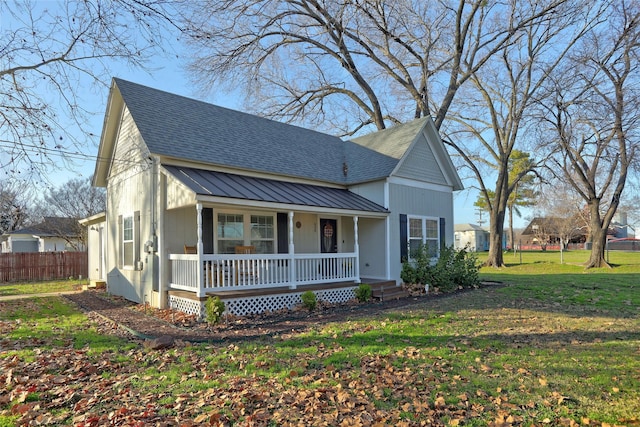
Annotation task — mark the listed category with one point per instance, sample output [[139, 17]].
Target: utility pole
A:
[[480, 220]]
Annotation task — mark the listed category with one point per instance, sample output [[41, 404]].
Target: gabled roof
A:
[[395, 141], [468, 227], [180, 128], [398, 141]]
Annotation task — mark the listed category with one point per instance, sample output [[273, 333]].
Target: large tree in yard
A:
[[344, 65], [490, 127], [594, 120], [524, 193]]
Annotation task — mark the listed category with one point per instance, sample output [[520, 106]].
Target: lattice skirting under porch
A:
[[243, 306]]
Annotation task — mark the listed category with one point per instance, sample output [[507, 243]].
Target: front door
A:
[[328, 236]]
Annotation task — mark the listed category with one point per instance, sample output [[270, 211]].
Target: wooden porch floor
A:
[[244, 293]]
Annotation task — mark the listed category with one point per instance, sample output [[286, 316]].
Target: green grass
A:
[[9, 289], [541, 277], [553, 345]]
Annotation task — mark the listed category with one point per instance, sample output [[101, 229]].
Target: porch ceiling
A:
[[226, 185]]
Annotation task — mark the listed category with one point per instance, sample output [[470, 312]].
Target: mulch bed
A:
[[123, 317]]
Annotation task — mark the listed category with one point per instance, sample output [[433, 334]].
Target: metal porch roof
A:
[[220, 184]]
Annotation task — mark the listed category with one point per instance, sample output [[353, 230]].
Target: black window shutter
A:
[[136, 236], [443, 241], [283, 232], [207, 230], [404, 242], [120, 242]]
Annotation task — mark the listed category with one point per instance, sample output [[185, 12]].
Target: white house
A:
[[471, 236], [53, 234], [203, 200]]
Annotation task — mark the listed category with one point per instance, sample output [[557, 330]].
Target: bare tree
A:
[[69, 202], [381, 62], [14, 205], [53, 55], [490, 128], [594, 119]]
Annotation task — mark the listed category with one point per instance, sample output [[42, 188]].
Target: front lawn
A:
[[8, 289], [555, 346]]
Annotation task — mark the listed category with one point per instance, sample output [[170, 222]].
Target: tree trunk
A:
[[496, 229], [598, 239]]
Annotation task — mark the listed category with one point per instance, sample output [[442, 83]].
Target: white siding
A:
[[181, 228], [420, 163], [178, 195], [128, 191], [371, 233], [130, 154], [416, 201], [346, 236], [373, 191], [95, 246]]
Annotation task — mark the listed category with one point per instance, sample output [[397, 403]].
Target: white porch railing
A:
[[259, 271]]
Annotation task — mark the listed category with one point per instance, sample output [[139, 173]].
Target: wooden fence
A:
[[41, 266]]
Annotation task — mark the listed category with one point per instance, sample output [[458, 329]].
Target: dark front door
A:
[[328, 236]]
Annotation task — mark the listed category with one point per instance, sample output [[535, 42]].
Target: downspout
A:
[[163, 257], [153, 246]]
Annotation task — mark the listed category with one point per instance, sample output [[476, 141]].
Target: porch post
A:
[[293, 283], [356, 249], [200, 248]]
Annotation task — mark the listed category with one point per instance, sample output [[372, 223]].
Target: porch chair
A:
[[245, 269], [190, 250], [245, 249]]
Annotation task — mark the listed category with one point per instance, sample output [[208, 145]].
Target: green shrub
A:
[[452, 270], [213, 307], [363, 293], [309, 300]]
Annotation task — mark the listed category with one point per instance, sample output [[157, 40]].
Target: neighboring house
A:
[[471, 236], [203, 200], [53, 234]]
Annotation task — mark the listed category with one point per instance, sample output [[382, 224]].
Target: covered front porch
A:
[[294, 237], [251, 282]]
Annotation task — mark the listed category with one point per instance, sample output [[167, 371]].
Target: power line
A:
[[49, 151]]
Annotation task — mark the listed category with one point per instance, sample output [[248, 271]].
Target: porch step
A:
[[95, 284], [388, 290]]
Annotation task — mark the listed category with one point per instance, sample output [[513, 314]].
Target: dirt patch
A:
[[146, 322]]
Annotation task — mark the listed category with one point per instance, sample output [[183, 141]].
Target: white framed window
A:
[[262, 233], [423, 231], [128, 241], [230, 232], [250, 229]]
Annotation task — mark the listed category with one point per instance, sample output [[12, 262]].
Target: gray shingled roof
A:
[[219, 184], [51, 226], [184, 128]]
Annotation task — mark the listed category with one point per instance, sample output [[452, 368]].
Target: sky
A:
[[169, 75]]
